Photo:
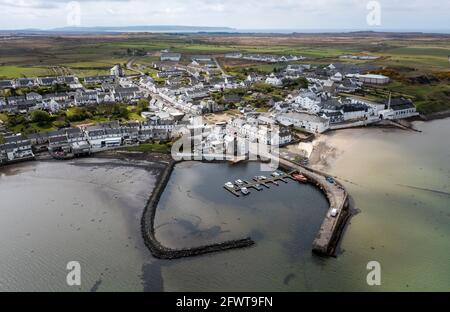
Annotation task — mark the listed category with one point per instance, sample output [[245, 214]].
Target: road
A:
[[224, 74]]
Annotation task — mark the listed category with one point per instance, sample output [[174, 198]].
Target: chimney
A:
[[390, 99]]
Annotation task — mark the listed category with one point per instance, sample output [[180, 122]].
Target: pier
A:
[[328, 237]]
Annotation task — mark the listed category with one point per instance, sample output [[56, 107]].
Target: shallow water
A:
[[89, 211]]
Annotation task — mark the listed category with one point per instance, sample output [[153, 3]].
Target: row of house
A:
[[15, 148], [264, 57], [71, 81], [57, 101], [85, 140]]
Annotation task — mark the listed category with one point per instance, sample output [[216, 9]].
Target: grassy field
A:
[[12, 71]]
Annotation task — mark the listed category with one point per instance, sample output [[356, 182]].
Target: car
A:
[[330, 180], [334, 212]]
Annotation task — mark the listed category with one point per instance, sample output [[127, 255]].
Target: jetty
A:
[[258, 183]]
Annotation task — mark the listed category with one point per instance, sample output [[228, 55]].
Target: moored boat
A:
[[300, 177], [229, 185], [245, 191]]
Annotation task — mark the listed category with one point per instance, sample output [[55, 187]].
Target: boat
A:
[[239, 182], [245, 191], [229, 185], [300, 177], [258, 187], [275, 174], [263, 177]]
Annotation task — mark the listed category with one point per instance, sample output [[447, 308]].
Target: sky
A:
[[241, 14]]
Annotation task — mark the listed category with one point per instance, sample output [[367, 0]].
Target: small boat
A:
[[263, 177], [275, 174], [258, 187], [300, 178], [239, 182], [229, 184], [245, 191]]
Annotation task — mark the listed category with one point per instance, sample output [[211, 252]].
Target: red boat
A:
[[300, 178]]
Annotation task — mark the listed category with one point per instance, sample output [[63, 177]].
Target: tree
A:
[[78, 114], [41, 117], [142, 106]]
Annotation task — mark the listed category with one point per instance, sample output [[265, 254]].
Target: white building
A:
[[274, 81], [117, 71], [308, 104], [304, 121], [372, 79], [171, 57]]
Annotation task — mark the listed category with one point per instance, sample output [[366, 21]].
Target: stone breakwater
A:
[[331, 230], [162, 252]]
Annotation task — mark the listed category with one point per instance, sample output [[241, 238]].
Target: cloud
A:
[[249, 14]]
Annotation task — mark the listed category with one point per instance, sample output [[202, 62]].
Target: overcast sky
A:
[[242, 14]]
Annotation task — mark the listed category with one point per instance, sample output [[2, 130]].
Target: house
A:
[[274, 81], [83, 97], [25, 82], [169, 73], [126, 94], [33, 96], [337, 77], [170, 57], [329, 86], [68, 80], [103, 137], [398, 108], [356, 111], [117, 71], [58, 144], [99, 79], [201, 58], [234, 55], [295, 69], [6, 84], [308, 102], [304, 121], [16, 148], [47, 81], [334, 117]]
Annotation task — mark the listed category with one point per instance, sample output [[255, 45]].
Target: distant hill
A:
[[154, 28]]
